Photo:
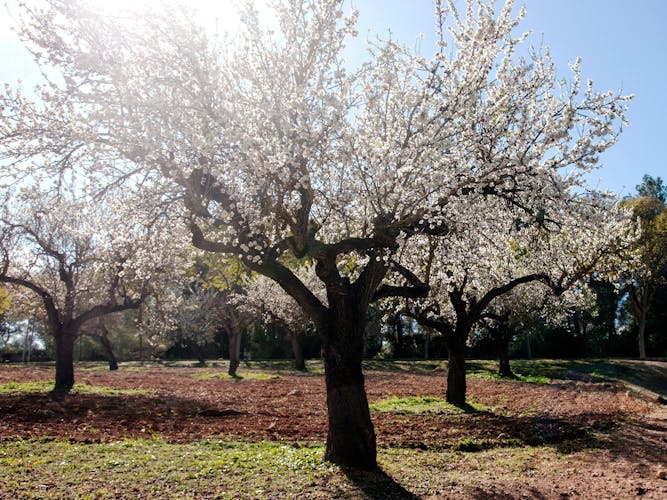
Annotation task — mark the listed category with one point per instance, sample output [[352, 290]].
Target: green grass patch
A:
[[423, 404], [494, 375], [46, 386], [140, 468], [240, 376]]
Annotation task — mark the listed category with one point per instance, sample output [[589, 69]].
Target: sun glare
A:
[[216, 14]]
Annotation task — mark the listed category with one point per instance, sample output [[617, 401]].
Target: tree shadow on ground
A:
[[483, 430], [493, 494], [415, 366], [378, 484], [96, 417]]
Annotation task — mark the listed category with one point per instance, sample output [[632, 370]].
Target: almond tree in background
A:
[[476, 264], [265, 297], [650, 270], [82, 259], [275, 148]]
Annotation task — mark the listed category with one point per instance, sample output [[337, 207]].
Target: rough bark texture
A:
[[64, 361], [104, 341], [351, 436], [642, 333], [234, 352], [297, 349], [503, 336], [456, 370], [504, 367]]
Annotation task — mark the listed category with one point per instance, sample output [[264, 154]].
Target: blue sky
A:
[[623, 45]]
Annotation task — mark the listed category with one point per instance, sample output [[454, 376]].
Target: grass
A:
[[139, 468], [494, 375], [423, 404], [46, 386], [57, 469], [469, 468]]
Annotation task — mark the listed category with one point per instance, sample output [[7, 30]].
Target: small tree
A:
[[526, 306], [651, 251], [472, 267], [196, 319], [83, 260]]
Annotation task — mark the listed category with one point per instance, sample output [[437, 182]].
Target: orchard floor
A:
[[592, 429]]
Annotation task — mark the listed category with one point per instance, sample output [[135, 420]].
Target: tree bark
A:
[[640, 304], [64, 360], [234, 352], [642, 332], [398, 323], [108, 351], [297, 349], [351, 436], [456, 370], [504, 368], [503, 336]]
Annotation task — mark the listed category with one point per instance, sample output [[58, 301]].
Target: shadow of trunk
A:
[[377, 484]]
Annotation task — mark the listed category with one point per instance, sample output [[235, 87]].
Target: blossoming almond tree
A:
[[276, 148], [473, 266], [82, 259], [265, 297], [526, 305]]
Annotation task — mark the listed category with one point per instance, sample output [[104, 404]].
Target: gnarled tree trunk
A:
[[64, 360], [297, 349], [504, 368], [234, 351], [351, 436], [108, 351], [503, 336], [103, 338], [456, 369]]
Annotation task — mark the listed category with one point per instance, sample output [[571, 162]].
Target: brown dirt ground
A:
[[622, 435]]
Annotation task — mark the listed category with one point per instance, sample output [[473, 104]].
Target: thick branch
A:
[[294, 287], [199, 241], [508, 287], [49, 304], [103, 310]]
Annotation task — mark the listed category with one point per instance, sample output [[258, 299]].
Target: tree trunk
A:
[[351, 436], [108, 351], [640, 305], [642, 332], [64, 361], [297, 349], [529, 350], [200, 354], [504, 368], [234, 352], [456, 370], [398, 323]]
